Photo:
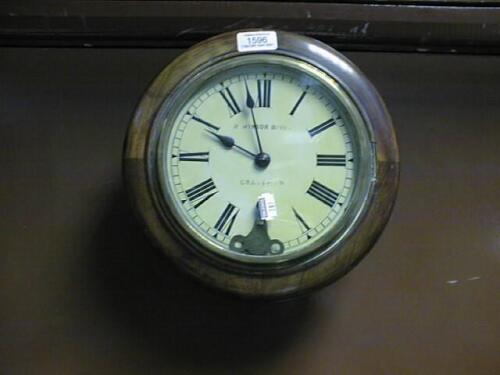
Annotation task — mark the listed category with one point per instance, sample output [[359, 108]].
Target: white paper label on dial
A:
[[256, 41], [267, 207]]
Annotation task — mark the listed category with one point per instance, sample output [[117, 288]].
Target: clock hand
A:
[[262, 159], [251, 104], [230, 143]]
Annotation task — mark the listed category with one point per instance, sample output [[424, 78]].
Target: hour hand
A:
[[224, 139], [230, 143]]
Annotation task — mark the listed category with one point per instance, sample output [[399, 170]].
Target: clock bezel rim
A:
[[315, 274], [269, 263]]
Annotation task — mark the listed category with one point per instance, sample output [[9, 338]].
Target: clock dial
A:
[[254, 131]]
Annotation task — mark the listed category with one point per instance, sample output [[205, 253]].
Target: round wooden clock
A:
[[262, 162]]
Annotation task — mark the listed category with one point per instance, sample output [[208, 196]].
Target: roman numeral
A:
[[322, 193], [321, 127], [202, 192], [226, 219], [330, 160], [230, 101], [264, 93], [301, 97], [206, 123], [192, 156], [302, 223]]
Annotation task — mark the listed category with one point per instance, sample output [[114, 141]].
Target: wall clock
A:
[[262, 162]]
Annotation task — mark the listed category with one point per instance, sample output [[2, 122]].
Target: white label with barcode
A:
[[267, 207], [249, 41]]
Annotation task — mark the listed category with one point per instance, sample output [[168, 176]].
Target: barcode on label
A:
[[267, 207], [257, 41]]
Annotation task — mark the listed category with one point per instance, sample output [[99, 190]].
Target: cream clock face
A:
[[261, 160]]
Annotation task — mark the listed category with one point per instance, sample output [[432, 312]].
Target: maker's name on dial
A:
[[252, 182], [262, 127]]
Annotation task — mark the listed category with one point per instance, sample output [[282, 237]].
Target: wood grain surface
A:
[[83, 291], [445, 26]]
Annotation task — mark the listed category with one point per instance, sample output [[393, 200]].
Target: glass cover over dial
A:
[[260, 158]]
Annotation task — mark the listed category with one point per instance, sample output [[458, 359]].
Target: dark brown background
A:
[[83, 291]]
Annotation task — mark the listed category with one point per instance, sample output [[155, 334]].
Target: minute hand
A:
[[251, 104]]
